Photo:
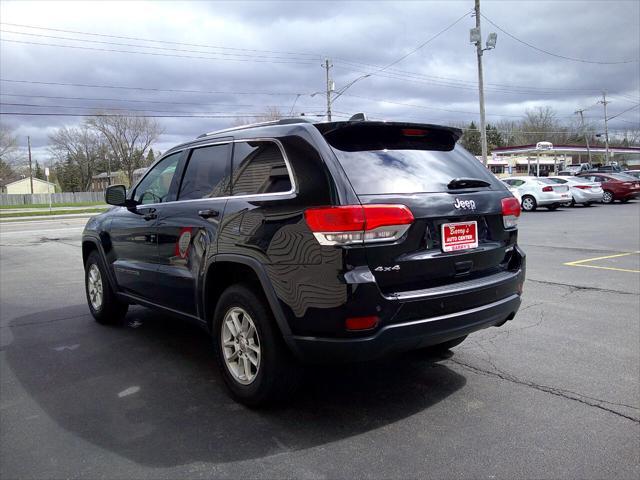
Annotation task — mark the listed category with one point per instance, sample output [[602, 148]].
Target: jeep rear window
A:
[[409, 171]]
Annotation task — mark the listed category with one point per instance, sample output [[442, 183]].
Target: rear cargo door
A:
[[457, 233]]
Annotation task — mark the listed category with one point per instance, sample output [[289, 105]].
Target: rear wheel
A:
[[255, 363], [103, 302], [529, 203], [607, 197]]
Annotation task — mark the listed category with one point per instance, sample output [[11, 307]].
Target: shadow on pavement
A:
[[150, 391]]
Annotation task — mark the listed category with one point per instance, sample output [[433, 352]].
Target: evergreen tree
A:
[[38, 172], [150, 157], [494, 138], [471, 140]]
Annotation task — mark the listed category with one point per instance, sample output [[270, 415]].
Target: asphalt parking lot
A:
[[554, 393]]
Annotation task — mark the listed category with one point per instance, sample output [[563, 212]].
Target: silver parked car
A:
[[582, 190], [539, 192]]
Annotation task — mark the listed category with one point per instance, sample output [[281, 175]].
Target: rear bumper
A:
[[407, 336], [553, 198], [581, 196]]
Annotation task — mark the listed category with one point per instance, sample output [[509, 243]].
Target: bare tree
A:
[[128, 137], [8, 143], [81, 149], [269, 114]]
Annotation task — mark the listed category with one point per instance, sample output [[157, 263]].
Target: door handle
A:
[[210, 213]]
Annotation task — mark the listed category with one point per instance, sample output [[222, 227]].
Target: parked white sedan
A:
[[582, 190], [539, 192]]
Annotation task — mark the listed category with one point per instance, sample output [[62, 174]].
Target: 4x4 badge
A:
[[387, 269], [465, 204]]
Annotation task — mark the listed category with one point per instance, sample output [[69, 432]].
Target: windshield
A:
[[410, 171]]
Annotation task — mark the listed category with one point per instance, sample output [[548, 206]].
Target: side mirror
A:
[[116, 195]]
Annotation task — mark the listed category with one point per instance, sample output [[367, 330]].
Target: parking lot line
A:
[[581, 263]]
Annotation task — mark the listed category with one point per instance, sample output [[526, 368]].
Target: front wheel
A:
[[256, 365], [607, 197], [529, 203], [103, 302]]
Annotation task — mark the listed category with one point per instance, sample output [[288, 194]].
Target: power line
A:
[[423, 44], [313, 55], [551, 53], [122, 87], [64, 114], [152, 53], [201, 104], [98, 108], [84, 40], [624, 111]]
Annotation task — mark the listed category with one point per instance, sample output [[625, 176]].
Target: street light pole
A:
[[586, 137], [327, 66], [483, 130], [606, 125]]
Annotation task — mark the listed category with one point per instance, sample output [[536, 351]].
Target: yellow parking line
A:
[[580, 263]]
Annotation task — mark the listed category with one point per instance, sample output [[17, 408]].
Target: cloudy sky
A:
[[223, 60]]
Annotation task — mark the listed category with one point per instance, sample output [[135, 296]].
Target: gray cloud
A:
[[438, 80]]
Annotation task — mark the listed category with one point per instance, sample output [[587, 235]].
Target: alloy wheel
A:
[[94, 285], [240, 345]]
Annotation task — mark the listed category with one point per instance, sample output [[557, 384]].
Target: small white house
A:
[[23, 186]]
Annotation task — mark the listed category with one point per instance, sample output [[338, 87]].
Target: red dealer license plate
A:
[[459, 236]]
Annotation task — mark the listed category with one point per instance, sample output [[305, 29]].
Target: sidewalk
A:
[[35, 218], [53, 209]]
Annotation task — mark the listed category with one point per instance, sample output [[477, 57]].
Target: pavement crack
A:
[[559, 392], [575, 288]]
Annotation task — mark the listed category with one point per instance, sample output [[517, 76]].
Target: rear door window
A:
[[259, 167], [207, 173]]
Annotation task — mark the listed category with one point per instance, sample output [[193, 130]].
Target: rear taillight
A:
[[361, 323], [547, 189], [353, 224], [510, 212], [582, 187]]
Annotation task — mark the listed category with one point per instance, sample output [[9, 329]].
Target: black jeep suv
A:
[[295, 242]]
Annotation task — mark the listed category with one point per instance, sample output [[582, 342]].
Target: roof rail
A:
[[282, 121]]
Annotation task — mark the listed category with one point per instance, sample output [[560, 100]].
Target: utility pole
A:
[[476, 37], [327, 65], [30, 169], [606, 125], [586, 137]]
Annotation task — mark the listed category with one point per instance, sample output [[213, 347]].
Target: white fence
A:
[[43, 198]]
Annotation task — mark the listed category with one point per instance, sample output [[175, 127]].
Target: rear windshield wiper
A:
[[457, 183]]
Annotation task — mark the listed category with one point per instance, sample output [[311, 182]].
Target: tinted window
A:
[[409, 171], [155, 186], [558, 180], [258, 167], [546, 181], [207, 173]]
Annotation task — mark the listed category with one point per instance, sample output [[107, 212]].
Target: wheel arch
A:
[[90, 244], [229, 269]]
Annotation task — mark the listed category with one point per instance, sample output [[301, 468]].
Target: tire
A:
[[256, 365], [572, 203], [529, 203], [607, 197], [102, 300]]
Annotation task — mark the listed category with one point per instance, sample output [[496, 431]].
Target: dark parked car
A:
[[616, 186], [295, 242]]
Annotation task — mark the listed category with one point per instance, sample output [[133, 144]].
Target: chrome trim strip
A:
[[274, 195], [401, 230], [455, 288]]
